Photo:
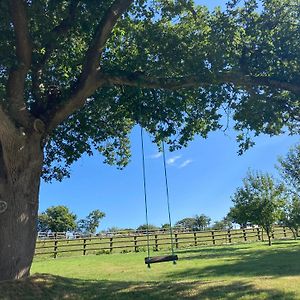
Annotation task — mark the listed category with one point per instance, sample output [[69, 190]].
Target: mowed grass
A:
[[245, 271]]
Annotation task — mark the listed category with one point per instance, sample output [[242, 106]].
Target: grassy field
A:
[[247, 271]]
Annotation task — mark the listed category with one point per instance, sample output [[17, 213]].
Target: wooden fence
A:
[[137, 242]]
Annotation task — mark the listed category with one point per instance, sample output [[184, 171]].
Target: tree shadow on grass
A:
[[276, 262], [215, 252], [49, 287]]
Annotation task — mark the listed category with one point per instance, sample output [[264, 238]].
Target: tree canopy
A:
[[289, 168], [91, 222], [57, 219], [95, 69]]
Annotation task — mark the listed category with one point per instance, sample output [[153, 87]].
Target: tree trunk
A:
[[21, 161], [269, 237], [294, 231]]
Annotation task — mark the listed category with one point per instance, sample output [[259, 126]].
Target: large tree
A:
[[78, 75]]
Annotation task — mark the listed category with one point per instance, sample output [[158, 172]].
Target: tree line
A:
[[61, 219]]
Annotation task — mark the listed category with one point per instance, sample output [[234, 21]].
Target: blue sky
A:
[[202, 179]]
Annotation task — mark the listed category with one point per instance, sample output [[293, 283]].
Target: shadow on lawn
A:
[[46, 287], [276, 262]]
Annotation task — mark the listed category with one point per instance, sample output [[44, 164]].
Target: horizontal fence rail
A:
[[137, 241]]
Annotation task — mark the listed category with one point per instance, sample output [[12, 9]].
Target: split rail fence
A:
[[137, 242]]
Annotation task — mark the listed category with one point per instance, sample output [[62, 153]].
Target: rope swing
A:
[[157, 259]]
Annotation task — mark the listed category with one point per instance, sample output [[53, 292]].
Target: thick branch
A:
[[101, 36], [17, 75], [238, 79], [89, 80], [75, 102]]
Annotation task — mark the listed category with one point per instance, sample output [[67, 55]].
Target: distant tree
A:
[[165, 226], [239, 215], [57, 219], [260, 201], [150, 227], [188, 223], [114, 229], [91, 222], [224, 224], [43, 225], [291, 216], [289, 168], [201, 222]]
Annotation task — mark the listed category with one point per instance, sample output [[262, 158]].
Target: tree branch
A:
[[77, 100], [236, 78], [101, 36], [17, 75], [89, 79]]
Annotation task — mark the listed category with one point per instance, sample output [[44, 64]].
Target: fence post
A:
[[195, 238], [84, 247], [284, 232], [55, 248], [156, 242], [258, 234], [135, 244], [111, 244], [245, 235], [229, 236], [213, 237], [176, 241]]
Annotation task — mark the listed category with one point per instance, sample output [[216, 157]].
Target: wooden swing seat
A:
[[158, 259]]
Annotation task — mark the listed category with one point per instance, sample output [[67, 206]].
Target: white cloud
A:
[[173, 159], [156, 155], [185, 163]]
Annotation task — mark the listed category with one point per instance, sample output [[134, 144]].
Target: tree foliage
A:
[[289, 168], [259, 202], [224, 224], [149, 227], [291, 216], [199, 222], [57, 219], [188, 223], [91, 222], [172, 66]]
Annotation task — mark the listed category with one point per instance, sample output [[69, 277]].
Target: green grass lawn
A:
[[245, 271]]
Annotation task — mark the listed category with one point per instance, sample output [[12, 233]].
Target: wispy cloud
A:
[[173, 159], [156, 155], [185, 163]]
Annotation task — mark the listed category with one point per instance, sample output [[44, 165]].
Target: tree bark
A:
[[269, 237], [21, 161]]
